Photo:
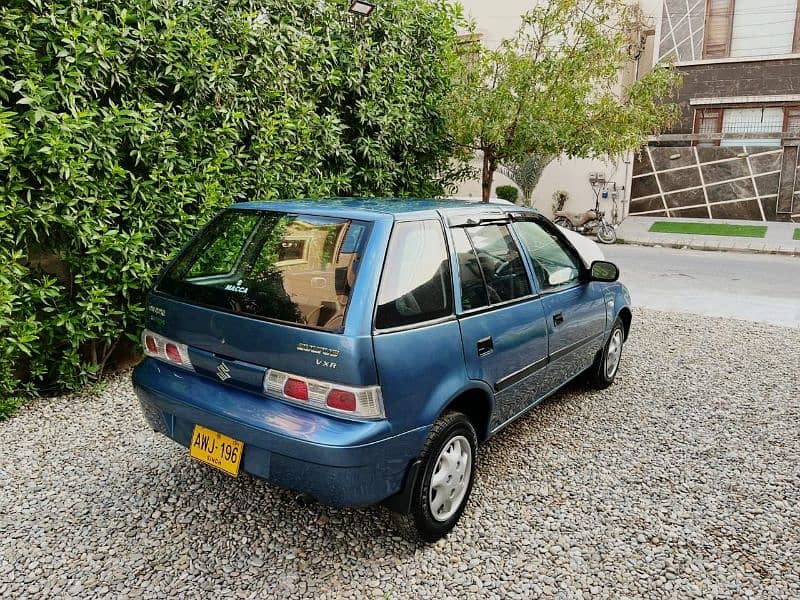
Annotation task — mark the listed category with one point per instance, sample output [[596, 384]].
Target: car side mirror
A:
[[602, 270]]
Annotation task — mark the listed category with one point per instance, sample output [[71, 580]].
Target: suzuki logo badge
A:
[[223, 372]]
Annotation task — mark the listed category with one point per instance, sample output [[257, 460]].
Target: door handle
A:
[[558, 319], [485, 346]]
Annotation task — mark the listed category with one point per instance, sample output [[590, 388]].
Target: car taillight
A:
[[172, 353], [365, 402], [296, 389], [157, 346], [341, 400]]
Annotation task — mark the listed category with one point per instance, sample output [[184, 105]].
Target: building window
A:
[[719, 20], [708, 120], [745, 28], [792, 123], [752, 120], [774, 119]]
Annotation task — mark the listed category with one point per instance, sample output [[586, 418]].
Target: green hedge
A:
[[125, 125], [507, 192]]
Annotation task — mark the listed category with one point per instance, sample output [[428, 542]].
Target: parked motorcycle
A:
[[591, 222]]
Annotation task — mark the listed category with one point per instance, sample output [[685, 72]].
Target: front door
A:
[[501, 318], [574, 308]]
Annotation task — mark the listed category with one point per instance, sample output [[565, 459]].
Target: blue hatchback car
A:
[[359, 351]]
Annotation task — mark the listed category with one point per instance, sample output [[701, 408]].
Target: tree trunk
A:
[[489, 167]]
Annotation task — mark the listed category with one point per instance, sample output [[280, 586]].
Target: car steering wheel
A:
[[503, 266]]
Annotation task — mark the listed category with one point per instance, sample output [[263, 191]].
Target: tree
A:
[[554, 88], [526, 173], [125, 125]]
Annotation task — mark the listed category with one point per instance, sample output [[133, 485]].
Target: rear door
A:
[[262, 290], [574, 308], [501, 316], [417, 340]]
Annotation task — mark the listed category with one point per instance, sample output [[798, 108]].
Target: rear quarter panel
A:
[[420, 370]]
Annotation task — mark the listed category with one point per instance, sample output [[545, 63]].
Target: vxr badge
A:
[[223, 372]]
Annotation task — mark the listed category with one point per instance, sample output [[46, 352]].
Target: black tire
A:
[[564, 222], [606, 234], [599, 375], [420, 525]]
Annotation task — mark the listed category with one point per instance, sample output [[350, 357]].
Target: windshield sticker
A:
[[236, 288]]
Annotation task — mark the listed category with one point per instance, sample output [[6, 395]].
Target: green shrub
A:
[[507, 192], [126, 124]]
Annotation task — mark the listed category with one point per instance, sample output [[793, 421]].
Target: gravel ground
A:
[[682, 479]]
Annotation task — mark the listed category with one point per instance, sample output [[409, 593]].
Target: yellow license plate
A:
[[217, 450]]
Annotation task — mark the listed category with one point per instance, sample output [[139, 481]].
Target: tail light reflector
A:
[[157, 346], [363, 402], [341, 400], [172, 353], [296, 389]]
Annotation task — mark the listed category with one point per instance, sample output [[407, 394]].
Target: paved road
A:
[[755, 287]]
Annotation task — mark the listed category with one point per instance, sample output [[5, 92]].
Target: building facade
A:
[[734, 152]]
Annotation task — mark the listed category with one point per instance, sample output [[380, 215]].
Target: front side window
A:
[[500, 263], [293, 268], [416, 283], [554, 263]]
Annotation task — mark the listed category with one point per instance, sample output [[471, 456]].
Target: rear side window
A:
[[416, 284], [294, 268], [500, 263]]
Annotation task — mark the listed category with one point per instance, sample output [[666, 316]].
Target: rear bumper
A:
[[338, 462]]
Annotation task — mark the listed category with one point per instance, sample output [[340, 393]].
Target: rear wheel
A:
[[564, 222], [445, 480], [604, 370]]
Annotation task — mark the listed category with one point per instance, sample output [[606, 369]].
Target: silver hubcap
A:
[[614, 353], [450, 478]]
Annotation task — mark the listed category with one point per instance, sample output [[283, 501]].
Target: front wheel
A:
[[604, 370], [606, 233], [445, 481]]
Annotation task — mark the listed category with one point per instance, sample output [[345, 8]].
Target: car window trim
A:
[[505, 303], [410, 326], [470, 220], [562, 287]]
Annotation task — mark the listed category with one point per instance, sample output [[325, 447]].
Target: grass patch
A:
[[796, 235], [751, 231]]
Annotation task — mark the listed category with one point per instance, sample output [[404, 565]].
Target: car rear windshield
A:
[[273, 265]]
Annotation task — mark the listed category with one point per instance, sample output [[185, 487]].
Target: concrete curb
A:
[[722, 246], [777, 240]]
